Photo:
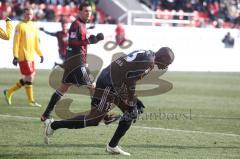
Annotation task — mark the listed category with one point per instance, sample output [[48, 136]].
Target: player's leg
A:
[[101, 104], [9, 92], [78, 122], [67, 80], [28, 70], [28, 79], [81, 121], [125, 122], [56, 96], [83, 76]]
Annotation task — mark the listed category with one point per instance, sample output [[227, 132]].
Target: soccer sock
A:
[[15, 87], [74, 123], [122, 128], [29, 91], [53, 101]]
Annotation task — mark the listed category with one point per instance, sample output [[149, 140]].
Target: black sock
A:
[[74, 123], [122, 128], [53, 101]]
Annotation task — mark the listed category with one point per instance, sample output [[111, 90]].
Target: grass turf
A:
[[203, 105]]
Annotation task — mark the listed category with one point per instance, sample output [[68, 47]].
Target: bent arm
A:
[[6, 35]]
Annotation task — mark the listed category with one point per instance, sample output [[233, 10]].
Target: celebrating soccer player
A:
[[116, 84]]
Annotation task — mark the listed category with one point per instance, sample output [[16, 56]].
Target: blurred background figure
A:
[[6, 34], [120, 34], [228, 40], [62, 38]]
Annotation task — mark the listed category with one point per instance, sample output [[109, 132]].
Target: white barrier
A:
[[196, 49]]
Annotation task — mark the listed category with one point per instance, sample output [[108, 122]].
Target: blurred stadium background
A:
[[198, 118]]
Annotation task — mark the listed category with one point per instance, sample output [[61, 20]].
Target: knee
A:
[[63, 88]]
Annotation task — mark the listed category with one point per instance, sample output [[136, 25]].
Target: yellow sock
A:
[[29, 91], [15, 87]]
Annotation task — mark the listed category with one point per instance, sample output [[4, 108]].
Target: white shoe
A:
[[116, 150], [48, 131]]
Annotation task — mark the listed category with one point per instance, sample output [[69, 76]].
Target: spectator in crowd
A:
[[120, 34]]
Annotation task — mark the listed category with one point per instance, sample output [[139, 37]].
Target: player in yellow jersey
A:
[[6, 34], [26, 43]]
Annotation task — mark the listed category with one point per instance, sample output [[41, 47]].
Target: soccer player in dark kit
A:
[[116, 84], [75, 66], [62, 38]]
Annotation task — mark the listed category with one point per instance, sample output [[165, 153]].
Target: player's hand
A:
[[8, 19], [15, 61], [100, 36], [133, 112], [92, 39], [42, 29], [140, 106], [42, 59]]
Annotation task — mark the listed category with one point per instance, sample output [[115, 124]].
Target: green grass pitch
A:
[[198, 118]]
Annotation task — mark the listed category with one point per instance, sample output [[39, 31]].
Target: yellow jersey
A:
[[26, 41], [6, 35]]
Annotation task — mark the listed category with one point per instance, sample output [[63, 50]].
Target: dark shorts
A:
[[105, 95], [27, 67], [78, 76]]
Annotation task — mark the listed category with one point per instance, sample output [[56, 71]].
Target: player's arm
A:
[[6, 35], [47, 32], [37, 46], [75, 37], [131, 87], [3, 34], [140, 106], [16, 41]]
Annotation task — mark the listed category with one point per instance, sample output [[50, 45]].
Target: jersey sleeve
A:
[[37, 46], [6, 35], [16, 40], [51, 34]]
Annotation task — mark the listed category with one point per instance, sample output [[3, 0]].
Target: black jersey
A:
[[77, 42], [123, 73]]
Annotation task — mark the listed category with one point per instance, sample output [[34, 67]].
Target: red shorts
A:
[[27, 67]]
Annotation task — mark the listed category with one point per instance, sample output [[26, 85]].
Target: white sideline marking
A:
[[186, 131], [138, 127], [19, 117]]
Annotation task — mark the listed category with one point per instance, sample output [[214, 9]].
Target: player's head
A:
[[164, 57], [28, 14], [85, 11], [64, 25]]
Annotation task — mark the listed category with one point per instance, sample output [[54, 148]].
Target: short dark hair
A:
[[63, 21], [164, 55], [27, 9], [84, 4]]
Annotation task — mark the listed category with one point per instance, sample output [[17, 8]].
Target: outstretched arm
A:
[[49, 33]]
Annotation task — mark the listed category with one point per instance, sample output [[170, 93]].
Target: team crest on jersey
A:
[[73, 35]]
